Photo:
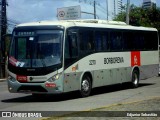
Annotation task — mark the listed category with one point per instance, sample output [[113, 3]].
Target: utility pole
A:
[[127, 12], [3, 28], [94, 9], [107, 8]]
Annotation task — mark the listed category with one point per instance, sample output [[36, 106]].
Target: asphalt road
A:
[[101, 97]]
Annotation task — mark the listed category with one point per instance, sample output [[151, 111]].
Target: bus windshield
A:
[[41, 48]]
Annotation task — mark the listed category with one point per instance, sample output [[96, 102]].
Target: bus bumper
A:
[[45, 87]]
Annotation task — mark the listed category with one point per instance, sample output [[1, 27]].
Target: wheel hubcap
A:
[[85, 85], [135, 79]]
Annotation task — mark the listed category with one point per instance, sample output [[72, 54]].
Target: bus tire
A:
[[135, 79], [86, 86]]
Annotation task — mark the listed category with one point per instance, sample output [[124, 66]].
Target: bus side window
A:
[[98, 40], [73, 45], [71, 49], [86, 41], [146, 40], [101, 41], [116, 41], [154, 40], [128, 41], [138, 41], [105, 41]]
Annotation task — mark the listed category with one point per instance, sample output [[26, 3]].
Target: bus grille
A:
[[33, 88]]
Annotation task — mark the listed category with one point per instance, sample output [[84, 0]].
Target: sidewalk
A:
[[139, 110]]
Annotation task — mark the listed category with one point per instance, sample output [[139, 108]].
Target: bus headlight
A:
[[50, 82], [55, 77]]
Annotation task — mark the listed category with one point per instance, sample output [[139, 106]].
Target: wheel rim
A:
[[85, 85], [135, 79]]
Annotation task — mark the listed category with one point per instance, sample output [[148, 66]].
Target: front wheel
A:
[[135, 79], [85, 86]]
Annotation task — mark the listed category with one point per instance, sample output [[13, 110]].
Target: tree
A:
[[142, 17]]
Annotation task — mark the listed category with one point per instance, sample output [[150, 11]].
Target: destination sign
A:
[[25, 33]]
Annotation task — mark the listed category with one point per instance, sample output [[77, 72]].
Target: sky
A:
[[139, 2], [21, 11]]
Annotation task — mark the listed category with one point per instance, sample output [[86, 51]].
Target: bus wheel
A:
[[86, 86], [135, 79]]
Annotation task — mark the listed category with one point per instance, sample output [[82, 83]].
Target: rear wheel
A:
[[86, 86], [135, 79]]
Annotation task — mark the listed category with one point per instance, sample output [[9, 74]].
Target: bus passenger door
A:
[[70, 60]]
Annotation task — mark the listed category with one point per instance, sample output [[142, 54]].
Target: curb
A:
[[1, 80]]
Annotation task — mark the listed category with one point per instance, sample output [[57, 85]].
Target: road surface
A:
[[100, 97]]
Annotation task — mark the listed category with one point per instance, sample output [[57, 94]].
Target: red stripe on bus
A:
[[135, 58]]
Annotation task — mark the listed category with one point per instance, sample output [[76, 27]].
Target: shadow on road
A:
[[71, 95], [115, 88]]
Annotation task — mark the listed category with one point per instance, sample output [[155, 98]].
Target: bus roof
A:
[[88, 23]]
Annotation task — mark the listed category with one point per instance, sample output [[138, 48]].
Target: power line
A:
[[91, 2]]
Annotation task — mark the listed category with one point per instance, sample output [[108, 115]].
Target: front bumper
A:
[[17, 87]]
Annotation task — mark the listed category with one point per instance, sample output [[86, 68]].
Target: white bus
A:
[[63, 56]]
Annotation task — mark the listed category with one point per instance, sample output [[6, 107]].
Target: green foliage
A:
[[142, 17]]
